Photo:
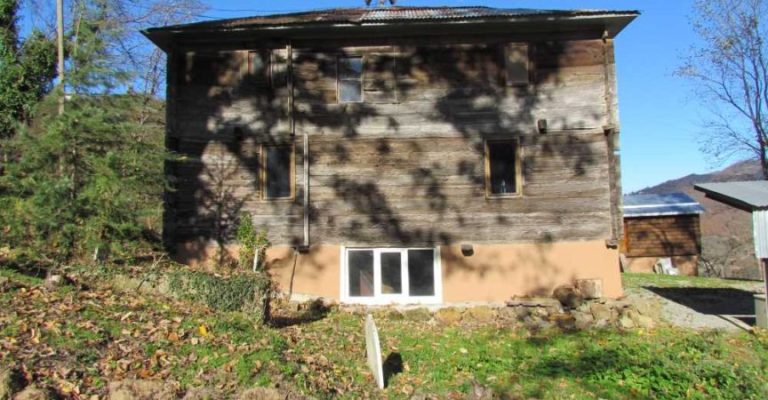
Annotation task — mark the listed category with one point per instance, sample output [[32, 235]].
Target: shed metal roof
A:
[[747, 195], [387, 14], [655, 205]]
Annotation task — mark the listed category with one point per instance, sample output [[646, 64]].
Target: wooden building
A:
[[662, 226], [407, 155]]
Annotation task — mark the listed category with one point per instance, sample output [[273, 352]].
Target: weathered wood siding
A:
[[662, 236], [405, 165]]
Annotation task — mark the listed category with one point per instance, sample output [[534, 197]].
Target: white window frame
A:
[[384, 299], [338, 79]]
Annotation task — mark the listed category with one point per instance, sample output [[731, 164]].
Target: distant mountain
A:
[[741, 171], [726, 231]]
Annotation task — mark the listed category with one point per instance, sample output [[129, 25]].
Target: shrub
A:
[[251, 241], [247, 292]]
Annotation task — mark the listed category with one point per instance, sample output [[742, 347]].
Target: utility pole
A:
[[60, 45]]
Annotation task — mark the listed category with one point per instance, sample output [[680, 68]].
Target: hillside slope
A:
[[726, 231]]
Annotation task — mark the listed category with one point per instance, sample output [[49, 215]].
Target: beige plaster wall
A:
[[498, 272], [492, 273]]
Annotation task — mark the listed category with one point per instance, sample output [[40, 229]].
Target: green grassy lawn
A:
[[637, 280], [79, 340]]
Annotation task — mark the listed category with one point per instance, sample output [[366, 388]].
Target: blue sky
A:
[[659, 115]]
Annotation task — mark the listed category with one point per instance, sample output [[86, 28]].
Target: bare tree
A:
[[730, 71], [127, 18]]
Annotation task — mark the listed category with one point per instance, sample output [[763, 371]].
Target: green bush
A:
[[251, 241], [247, 292]]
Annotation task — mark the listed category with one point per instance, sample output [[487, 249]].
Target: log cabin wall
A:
[[662, 236], [406, 165]]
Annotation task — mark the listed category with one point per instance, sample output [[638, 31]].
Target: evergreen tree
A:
[[89, 177], [26, 69]]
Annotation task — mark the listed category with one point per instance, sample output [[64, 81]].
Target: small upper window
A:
[[278, 172], [517, 64], [259, 71], [502, 177], [350, 79]]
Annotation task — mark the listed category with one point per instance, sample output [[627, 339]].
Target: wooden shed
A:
[[660, 226]]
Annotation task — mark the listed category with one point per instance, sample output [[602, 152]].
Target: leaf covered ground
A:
[[76, 340]]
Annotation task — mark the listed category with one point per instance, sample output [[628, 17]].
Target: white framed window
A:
[[378, 276], [350, 79]]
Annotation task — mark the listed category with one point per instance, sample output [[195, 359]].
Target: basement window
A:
[[350, 82], [278, 172], [502, 168], [391, 275]]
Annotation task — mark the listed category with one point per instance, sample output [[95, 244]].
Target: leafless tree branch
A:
[[731, 73]]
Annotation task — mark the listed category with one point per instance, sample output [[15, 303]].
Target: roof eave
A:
[[164, 37], [731, 201]]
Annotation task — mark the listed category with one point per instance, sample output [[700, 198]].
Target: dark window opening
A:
[[421, 272], [391, 270], [502, 174], [278, 172], [361, 273]]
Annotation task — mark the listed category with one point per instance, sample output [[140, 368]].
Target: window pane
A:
[[278, 172], [421, 272], [517, 63], [502, 167], [360, 264], [350, 91], [391, 279], [350, 67]]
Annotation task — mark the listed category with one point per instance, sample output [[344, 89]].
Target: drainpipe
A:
[[305, 145]]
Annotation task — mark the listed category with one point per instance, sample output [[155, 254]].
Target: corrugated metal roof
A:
[[654, 205], [386, 14], [749, 195]]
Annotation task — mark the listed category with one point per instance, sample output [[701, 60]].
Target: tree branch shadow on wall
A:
[[407, 197]]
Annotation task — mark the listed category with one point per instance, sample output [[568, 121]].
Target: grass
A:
[[638, 280], [89, 338]]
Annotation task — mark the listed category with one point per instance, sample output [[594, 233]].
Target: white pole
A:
[[60, 45]]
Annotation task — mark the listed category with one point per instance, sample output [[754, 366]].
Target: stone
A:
[[448, 315], [508, 315], [6, 384], [202, 393], [645, 322], [261, 393], [601, 312], [568, 296], [590, 288], [417, 314], [483, 314], [626, 322], [583, 320], [536, 324], [649, 308], [32, 392], [52, 281], [131, 389], [564, 321], [480, 392]]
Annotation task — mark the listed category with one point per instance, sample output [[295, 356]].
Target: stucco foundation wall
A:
[[315, 273], [688, 265], [497, 272], [492, 273]]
